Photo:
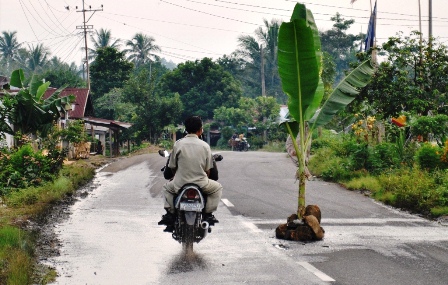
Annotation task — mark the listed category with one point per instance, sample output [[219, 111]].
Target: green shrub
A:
[[24, 168], [15, 256], [326, 164], [428, 157], [383, 157], [369, 183], [166, 144], [256, 142], [439, 211], [414, 189]]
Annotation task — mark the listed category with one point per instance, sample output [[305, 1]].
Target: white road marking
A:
[[317, 272], [252, 227], [227, 203]]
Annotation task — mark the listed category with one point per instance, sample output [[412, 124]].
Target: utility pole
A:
[[86, 27], [263, 88], [263, 85], [430, 22]]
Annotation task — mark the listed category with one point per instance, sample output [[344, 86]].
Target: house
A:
[[6, 140], [104, 130]]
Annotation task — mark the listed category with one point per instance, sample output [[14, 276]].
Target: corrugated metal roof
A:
[[81, 102]]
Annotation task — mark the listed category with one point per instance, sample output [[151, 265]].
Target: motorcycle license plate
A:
[[196, 207]]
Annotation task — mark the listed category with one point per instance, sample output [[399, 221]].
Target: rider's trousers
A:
[[213, 190]]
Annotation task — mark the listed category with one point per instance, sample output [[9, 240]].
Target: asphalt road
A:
[[112, 236]]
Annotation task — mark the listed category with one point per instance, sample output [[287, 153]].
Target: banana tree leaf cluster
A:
[[300, 67], [29, 112]]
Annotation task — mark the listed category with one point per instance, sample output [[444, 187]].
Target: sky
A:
[[194, 29]]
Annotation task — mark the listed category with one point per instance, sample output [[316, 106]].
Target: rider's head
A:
[[193, 124]]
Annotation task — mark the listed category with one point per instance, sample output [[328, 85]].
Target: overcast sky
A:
[[193, 29]]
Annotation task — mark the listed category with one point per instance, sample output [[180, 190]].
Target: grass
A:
[[18, 266], [16, 245], [274, 146], [16, 256], [367, 183]]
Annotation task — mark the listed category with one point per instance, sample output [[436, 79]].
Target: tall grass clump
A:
[[364, 183], [16, 256], [412, 189]]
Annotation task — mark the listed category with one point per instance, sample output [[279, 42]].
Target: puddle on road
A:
[[187, 261]]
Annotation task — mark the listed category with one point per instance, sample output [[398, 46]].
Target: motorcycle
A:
[[189, 203]]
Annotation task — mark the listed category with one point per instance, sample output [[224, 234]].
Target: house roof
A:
[[107, 123], [83, 103]]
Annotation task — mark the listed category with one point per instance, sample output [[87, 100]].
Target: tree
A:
[[109, 70], [202, 85], [152, 113], [141, 49], [61, 74], [410, 80], [341, 46], [9, 46], [28, 111], [103, 39], [299, 61], [248, 112], [250, 53], [38, 57]]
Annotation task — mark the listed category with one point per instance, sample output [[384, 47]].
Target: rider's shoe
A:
[[210, 218], [167, 219], [169, 229]]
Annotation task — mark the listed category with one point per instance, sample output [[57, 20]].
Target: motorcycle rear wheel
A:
[[188, 238]]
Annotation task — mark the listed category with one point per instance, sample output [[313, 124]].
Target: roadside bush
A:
[[326, 164], [256, 142], [15, 256], [383, 157], [429, 157], [24, 168], [364, 183], [414, 190]]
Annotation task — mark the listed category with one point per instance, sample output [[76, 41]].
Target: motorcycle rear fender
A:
[[190, 218], [185, 188]]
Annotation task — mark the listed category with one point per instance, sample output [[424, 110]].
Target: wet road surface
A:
[[112, 236]]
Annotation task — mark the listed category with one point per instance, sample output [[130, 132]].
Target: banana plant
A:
[[300, 67], [32, 113]]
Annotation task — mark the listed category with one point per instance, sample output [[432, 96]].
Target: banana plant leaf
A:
[[17, 78], [343, 94], [299, 61]]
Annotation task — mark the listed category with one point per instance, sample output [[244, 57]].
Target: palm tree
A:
[[38, 57], [269, 40], [103, 39], [9, 46], [142, 49], [250, 51]]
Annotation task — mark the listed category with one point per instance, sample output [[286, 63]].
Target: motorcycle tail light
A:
[[191, 194]]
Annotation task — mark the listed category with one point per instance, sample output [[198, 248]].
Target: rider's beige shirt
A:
[[191, 158]]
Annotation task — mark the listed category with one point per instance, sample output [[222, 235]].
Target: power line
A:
[[31, 27], [226, 18], [157, 34], [174, 23]]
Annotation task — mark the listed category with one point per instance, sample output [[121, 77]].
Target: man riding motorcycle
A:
[[191, 161]]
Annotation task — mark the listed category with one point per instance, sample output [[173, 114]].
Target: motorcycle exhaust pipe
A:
[[205, 225]]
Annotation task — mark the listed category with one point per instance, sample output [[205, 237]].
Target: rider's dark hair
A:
[[193, 124]]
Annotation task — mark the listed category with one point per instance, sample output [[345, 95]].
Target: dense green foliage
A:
[[202, 85], [420, 185], [154, 112], [17, 256], [409, 80], [109, 70], [28, 111]]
